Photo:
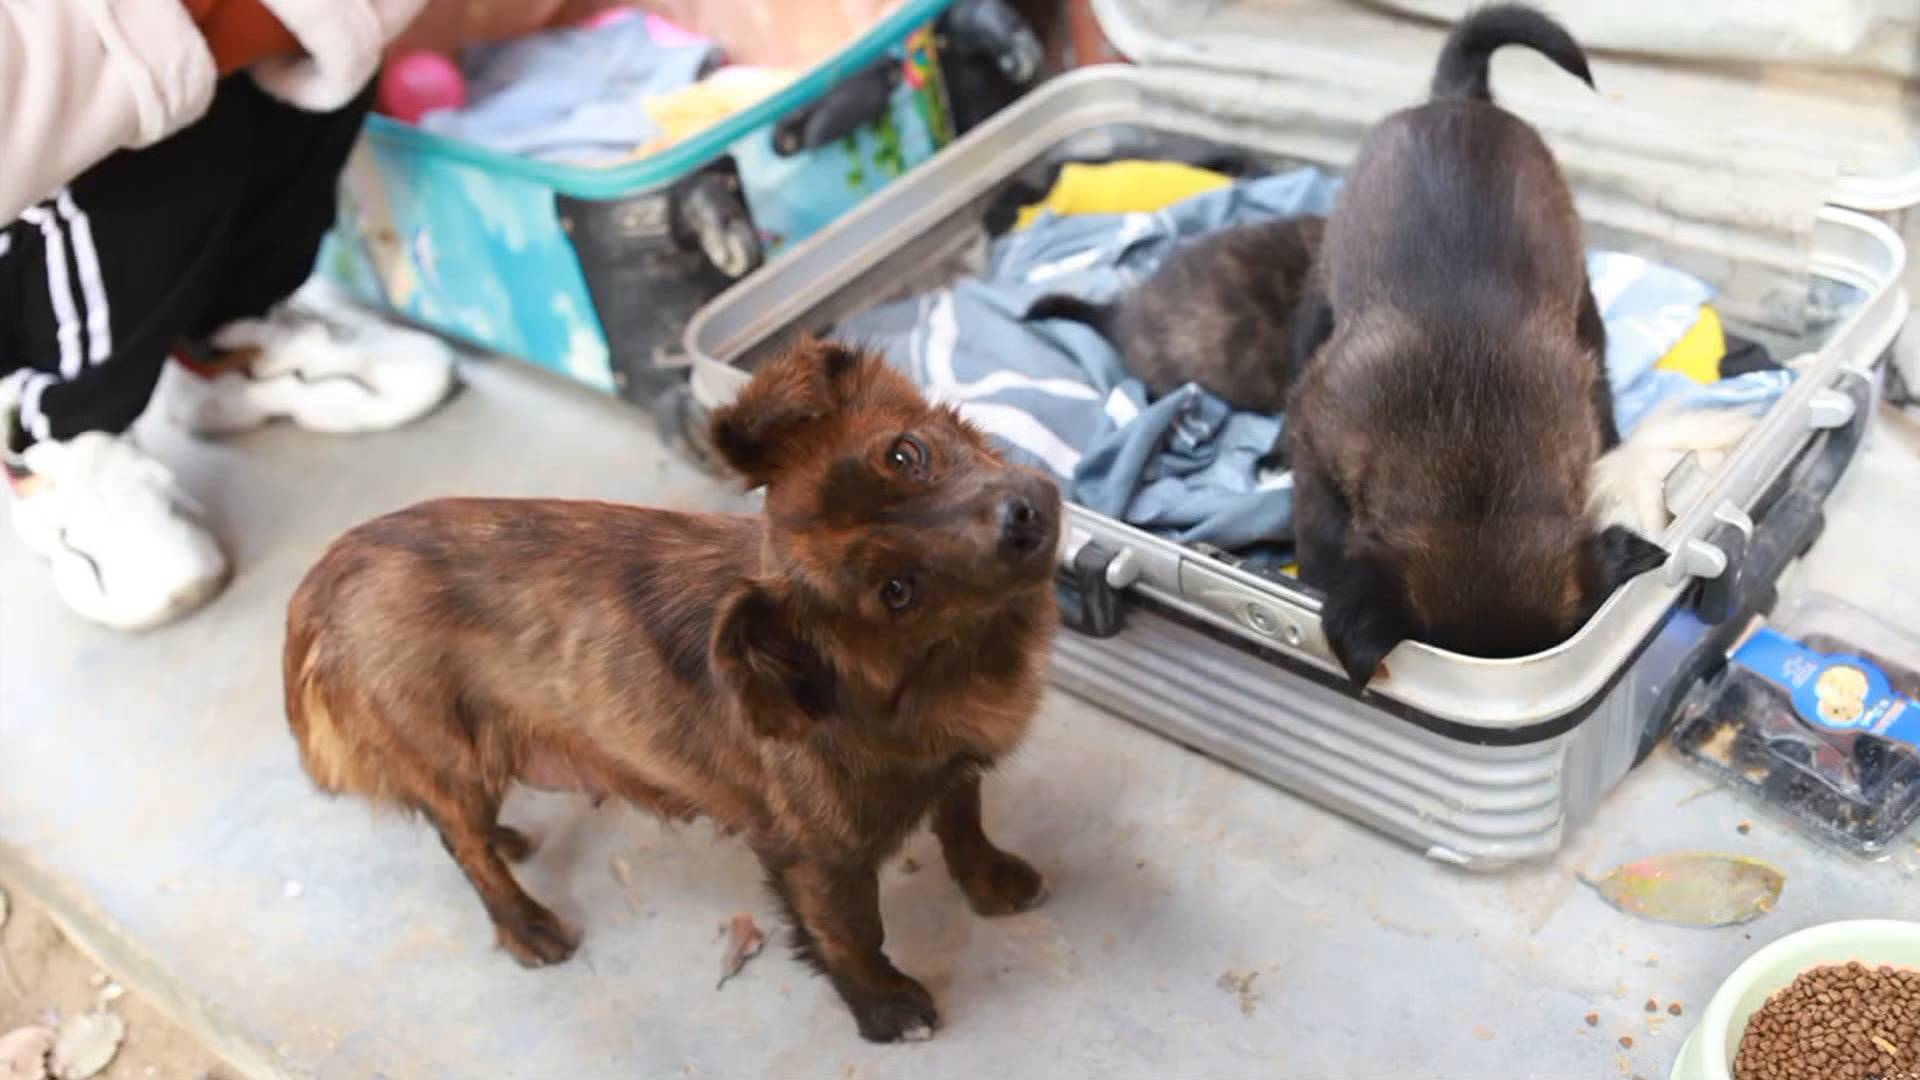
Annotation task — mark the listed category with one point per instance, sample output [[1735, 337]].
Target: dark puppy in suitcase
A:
[[821, 677], [1452, 397], [1218, 312]]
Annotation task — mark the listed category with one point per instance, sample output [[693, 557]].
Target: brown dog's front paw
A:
[[1003, 885], [904, 1015], [536, 937]]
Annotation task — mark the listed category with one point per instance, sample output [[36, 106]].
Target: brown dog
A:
[[821, 677], [1453, 397]]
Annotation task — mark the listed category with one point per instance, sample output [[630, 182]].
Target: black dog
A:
[[1452, 394], [1218, 312]]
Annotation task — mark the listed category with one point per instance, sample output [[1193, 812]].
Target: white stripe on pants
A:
[[87, 262], [23, 388], [66, 314], [78, 232]]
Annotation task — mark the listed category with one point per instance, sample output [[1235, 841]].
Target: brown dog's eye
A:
[[907, 455], [897, 593]]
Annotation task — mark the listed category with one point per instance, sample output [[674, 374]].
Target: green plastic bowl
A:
[[1709, 1051]]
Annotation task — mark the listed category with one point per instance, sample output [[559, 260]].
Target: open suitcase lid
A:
[[1720, 127]]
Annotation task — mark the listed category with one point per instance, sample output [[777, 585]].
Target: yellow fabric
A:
[[1122, 187], [1698, 354], [693, 109]]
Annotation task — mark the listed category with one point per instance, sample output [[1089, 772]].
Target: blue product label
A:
[[1837, 693]]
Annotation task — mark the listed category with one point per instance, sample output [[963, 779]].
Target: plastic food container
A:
[[1708, 1053], [1783, 723]]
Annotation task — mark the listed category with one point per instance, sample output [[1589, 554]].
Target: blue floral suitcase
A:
[[592, 272]]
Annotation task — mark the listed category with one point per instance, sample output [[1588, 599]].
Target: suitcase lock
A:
[[1740, 558], [1088, 582]]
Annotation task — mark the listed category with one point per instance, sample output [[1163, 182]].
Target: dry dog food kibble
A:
[[1836, 1023]]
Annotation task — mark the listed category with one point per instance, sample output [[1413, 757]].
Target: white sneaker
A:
[[322, 362], [127, 546]]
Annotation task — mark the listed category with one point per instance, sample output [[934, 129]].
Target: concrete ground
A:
[[1200, 923]]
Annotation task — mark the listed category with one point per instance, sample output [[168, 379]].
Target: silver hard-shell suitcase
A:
[[1476, 762]]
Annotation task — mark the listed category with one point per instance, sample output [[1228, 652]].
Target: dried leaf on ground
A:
[[623, 874], [744, 942], [87, 1044], [1693, 888], [1240, 985]]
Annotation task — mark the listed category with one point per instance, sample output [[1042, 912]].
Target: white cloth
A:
[[343, 40], [80, 79]]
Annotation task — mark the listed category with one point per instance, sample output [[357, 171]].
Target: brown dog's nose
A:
[[1023, 526]]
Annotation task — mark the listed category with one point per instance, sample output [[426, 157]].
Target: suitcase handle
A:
[[857, 101], [1756, 552]]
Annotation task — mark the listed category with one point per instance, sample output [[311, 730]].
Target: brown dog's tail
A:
[[1464, 59], [326, 752]]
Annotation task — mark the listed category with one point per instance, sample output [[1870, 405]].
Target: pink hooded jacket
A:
[[80, 79]]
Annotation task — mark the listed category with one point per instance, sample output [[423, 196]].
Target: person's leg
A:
[[287, 203], [107, 274], [204, 234], [261, 348], [100, 280]]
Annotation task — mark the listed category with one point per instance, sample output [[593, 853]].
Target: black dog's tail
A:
[[1061, 306], [1462, 70]]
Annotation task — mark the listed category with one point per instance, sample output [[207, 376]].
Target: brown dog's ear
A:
[[790, 393], [785, 686], [1622, 555], [1365, 616]]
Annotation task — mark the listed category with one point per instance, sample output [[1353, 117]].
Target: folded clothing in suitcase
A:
[[572, 95]]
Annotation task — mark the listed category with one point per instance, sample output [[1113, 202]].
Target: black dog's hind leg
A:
[[1312, 326], [1592, 332]]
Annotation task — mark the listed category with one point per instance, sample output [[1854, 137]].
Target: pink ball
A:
[[417, 83]]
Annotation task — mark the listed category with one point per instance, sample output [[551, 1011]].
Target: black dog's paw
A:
[[905, 1015]]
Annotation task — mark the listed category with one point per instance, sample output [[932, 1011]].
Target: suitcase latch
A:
[[1698, 558], [1729, 543], [1088, 582]]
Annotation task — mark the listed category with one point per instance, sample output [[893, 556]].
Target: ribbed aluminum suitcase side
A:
[[1473, 805]]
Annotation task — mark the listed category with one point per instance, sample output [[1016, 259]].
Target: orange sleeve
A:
[[240, 32], [447, 26]]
